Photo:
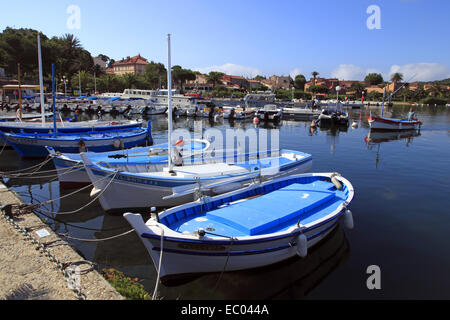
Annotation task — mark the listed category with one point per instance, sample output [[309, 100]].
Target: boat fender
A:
[[81, 146], [118, 144], [355, 124], [348, 219], [336, 183], [255, 120], [302, 246]]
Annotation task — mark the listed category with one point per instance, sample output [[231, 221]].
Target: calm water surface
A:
[[401, 212]]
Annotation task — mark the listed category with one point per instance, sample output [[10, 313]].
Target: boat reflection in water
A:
[[376, 137], [290, 279]]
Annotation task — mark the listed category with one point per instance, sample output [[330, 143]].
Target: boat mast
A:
[[169, 95], [20, 92], [41, 82], [54, 102]]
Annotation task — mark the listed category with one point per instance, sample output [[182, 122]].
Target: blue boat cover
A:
[[260, 214]]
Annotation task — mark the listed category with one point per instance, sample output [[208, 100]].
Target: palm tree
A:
[[315, 74], [396, 78]]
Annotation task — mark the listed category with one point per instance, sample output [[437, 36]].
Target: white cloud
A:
[[232, 69], [423, 71], [295, 73], [348, 72]]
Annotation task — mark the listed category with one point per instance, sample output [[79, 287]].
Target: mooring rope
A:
[[75, 192], [96, 240], [22, 171], [90, 202]]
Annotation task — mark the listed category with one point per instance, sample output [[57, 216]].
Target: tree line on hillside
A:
[[76, 65]]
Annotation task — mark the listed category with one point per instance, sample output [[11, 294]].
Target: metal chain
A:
[[63, 267]]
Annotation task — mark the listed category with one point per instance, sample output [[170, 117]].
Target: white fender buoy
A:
[[348, 219], [336, 183], [302, 246], [255, 120], [116, 143], [355, 124]]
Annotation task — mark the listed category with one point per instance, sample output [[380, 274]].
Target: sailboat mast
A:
[[169, 95], [20, 92], [54, 101], [41, 81]]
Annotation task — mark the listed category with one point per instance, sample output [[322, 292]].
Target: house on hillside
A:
[[134, 65]]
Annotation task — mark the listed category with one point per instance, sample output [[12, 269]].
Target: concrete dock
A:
[[37, 264]]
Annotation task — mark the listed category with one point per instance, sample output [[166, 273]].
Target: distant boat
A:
[[252, 227], [333, 116], [238, 113], [33, 145], [270, 112], [382, 123]]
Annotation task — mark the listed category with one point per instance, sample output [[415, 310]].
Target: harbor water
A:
[[401, 213]]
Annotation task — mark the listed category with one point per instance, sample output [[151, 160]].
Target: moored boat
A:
[[382, 123], [71, 172], [255, 226], [34, 145], [144, 186]]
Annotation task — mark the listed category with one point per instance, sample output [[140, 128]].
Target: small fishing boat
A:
[[333, 116], [382, 123], [270, 112], [68, 127], [255, 226], [238, 113], [152, 110], [34, 145], [142, 186], [71, 171]]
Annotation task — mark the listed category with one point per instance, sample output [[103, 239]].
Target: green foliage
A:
[[214, 77], [181, 75], [374, 79], [318, 89], [435, 100], [298, 94], [300, 82], [397, 77], [259, 78], [283, 94], [129, 288]]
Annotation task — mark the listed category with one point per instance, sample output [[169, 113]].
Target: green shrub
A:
[[434, 100]]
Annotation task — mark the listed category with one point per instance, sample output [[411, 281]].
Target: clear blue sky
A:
[[254, 36]]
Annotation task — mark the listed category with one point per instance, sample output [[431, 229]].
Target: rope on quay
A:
[[66, 268]]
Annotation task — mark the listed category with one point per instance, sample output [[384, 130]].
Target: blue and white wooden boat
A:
[[252, 227], [68, 127], [71, 171], [143, 186], [33, 145]]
